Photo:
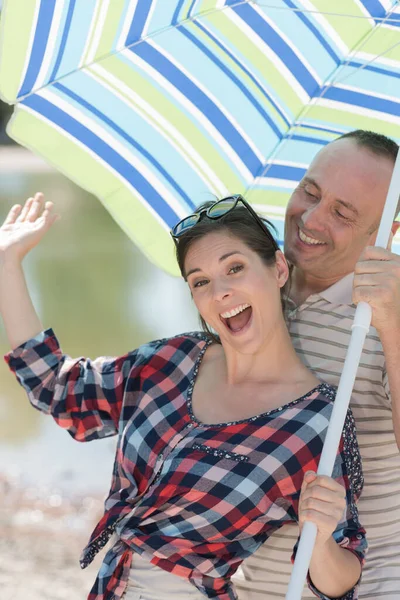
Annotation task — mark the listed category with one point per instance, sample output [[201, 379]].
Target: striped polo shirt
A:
[[320, 329]]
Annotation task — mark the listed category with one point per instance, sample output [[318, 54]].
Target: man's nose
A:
[[314, 218]]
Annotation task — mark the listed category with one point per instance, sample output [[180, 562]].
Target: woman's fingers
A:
[[334, 507], [32, 209], [47, 215], [25, 209], [322, 501], [13, 214], [311, 480], [322, 494], [35, 208]]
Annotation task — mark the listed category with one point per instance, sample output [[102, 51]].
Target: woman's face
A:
[[234, 291]]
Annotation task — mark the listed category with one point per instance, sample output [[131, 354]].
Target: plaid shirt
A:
[[193, 498]]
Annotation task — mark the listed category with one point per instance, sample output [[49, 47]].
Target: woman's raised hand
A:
[[25, 226]]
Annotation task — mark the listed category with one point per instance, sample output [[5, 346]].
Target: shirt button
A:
[[160, 456], [190, 425]]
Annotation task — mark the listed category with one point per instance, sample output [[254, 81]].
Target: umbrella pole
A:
[[360, 328]]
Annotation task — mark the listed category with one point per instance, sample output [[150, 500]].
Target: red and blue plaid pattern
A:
[[195, 499]]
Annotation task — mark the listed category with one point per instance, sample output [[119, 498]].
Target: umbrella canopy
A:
[[156, 106]]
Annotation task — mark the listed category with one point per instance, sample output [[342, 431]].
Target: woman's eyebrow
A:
[[223, 257]]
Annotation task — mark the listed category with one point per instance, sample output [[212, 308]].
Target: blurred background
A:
[[102, 297]]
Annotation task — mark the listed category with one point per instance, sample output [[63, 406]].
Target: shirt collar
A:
[[338, 293]]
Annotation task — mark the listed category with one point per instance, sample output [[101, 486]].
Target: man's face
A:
[[335, 210]]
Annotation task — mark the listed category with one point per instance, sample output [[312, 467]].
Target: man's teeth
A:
[[235, 311], [308, 240]]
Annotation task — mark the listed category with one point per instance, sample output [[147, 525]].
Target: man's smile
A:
[[307, 240]]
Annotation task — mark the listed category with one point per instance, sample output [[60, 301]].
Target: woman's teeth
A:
[[235, 311], [308, 240]]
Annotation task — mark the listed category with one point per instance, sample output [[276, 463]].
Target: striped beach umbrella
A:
[[156, 106]]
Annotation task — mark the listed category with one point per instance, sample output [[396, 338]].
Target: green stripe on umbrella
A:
[[157, 106]]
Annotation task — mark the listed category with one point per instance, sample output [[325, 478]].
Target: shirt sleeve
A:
[[83, 396], [349, 533]]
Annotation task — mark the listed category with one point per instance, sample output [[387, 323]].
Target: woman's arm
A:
[[22, 230], [330, 503], [83, 396], [19, 316], [334, 570]]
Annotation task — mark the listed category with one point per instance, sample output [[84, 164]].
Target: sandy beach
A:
[[41, 538]]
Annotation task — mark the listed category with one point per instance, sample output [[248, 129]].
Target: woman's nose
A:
[[221, 291]]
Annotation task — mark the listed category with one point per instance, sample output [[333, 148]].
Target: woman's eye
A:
[[200, 283], [236, 269]]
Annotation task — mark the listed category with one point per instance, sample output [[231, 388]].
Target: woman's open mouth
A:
[[237, 319]]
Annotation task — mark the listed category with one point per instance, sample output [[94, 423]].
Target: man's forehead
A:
[[345, 167], [347, 155]]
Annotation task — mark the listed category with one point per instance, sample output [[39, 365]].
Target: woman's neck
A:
[[274, 361]]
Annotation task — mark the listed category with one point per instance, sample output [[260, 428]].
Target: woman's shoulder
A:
[[182, 342], [326, 391], [193, 337]]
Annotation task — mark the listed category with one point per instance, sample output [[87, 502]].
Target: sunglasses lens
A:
[[221, 207], [185, 224]]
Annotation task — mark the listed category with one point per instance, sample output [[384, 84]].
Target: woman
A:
[[220, 433]]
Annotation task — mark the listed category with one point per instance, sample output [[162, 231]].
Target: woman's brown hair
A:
[[239, 223]]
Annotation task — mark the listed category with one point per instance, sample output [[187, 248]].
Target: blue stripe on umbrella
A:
[[138, 22], [365, 100], [189, 14], [394, 20], [305, 138], [315, 31], [379, 12], [63, 43], [45, 18], [317, 128], [161, 64], [175, 16], [244, 69], [380, 70], [286, 172], [375, 8], [129, 139], [277, 45], [110, 156], [235, 80]]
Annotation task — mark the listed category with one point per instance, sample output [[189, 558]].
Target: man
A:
[[331, 223]]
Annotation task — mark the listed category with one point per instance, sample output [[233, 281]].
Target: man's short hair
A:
[[377, 143]]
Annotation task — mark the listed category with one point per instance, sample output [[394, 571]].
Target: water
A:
[[102, 297]]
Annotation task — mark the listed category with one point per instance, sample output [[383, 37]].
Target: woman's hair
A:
[[239, 223]]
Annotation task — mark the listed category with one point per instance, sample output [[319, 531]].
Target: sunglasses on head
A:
[[216, 211]]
